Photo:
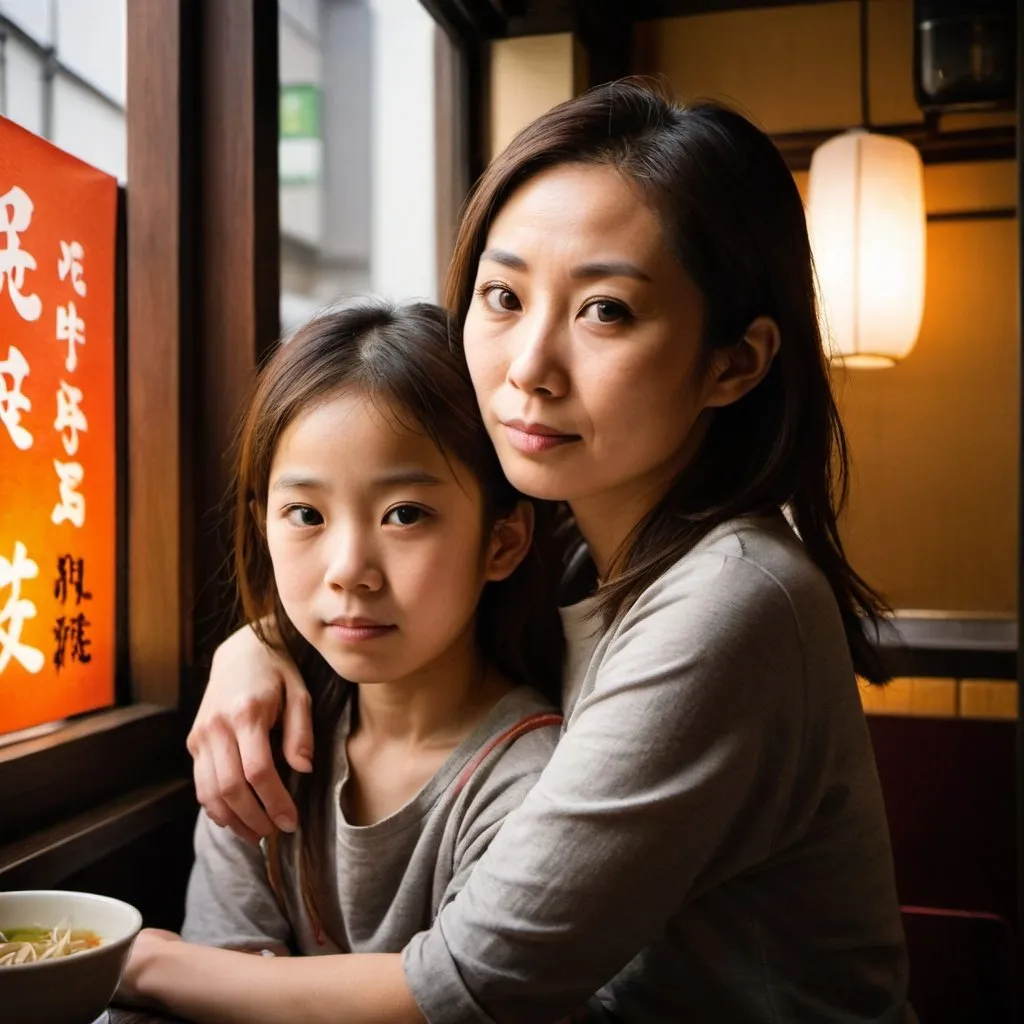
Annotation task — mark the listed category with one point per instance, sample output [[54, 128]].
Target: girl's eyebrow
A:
[[398, 478], [296, 480], [407, 477]]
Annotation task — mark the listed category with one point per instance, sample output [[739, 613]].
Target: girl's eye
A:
[[404, 515], [501, 300], [303, 515], [607, 311]]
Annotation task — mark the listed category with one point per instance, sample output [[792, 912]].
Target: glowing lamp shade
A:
[[867, 224]]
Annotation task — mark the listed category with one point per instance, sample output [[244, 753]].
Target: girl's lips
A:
[[536, 439], [358, 633]]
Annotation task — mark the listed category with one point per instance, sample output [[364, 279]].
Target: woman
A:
[[708, 842]]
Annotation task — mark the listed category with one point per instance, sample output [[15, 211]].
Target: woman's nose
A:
[[538, 364], [352, 564]]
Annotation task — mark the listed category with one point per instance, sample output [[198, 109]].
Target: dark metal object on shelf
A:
[[964, 54]]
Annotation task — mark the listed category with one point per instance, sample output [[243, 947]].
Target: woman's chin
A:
[[545, 483]]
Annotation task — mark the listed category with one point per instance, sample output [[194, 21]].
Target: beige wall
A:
[[933, 511], [528, 76]]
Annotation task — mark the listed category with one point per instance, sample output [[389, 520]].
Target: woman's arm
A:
[[668, 781], [669, 778], [250, 689], [219, 986]]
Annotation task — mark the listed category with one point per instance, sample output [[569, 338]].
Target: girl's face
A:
[[583, 341], [377, 543]]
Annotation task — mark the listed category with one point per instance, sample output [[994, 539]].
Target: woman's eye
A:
[[303, 515], [606, 311], [501, 300], [404, 515]]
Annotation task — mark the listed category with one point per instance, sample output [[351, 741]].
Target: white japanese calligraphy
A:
[[16, 610], [70, 328], [15, 217], [70, 418], [12, 402], [71, 507], [70, 262]]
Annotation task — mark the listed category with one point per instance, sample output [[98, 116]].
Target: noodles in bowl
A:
[[27, 945], [61, 954]]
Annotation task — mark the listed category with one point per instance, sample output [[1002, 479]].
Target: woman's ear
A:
[[738, 369], [509, 542]]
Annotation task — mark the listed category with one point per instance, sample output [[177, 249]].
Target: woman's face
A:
[[583, 341]]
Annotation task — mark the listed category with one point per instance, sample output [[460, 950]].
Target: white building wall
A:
[[31, 16], [23, 86], [404, 242], [88, 36], [91, 42], [88, 128]]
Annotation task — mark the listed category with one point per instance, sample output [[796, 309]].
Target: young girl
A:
[[376, 529]]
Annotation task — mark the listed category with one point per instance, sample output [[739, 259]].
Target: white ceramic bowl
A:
[[71, 989]]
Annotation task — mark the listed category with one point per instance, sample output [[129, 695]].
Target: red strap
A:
[[539, 720]]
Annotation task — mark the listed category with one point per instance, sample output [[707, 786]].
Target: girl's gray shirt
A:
[[382, 883], [708, 842]]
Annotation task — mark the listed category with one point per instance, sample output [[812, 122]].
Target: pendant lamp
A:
[[866, 218]]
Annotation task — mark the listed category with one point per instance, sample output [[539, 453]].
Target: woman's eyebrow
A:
[[505, 258], [612, 268]]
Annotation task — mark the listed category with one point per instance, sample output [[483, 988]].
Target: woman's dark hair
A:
[[734, 219], [402, 358]]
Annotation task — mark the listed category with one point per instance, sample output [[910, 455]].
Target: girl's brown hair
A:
[[406, 359], [735, 221]]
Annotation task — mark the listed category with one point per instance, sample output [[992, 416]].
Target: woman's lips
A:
[[535, 437]]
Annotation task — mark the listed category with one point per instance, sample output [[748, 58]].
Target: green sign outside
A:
[[300, 112]]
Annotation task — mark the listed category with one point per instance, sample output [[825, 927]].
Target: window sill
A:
[[52, 778], [44, 859]]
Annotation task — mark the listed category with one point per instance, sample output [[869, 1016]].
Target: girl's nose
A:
[[352, 565]]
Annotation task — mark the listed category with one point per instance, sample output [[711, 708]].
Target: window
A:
[[372, 152]]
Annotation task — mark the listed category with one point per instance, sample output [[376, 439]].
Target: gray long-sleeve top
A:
[[383, 882], [708, 842]]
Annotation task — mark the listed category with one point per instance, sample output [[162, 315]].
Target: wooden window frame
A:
[[199, 309]]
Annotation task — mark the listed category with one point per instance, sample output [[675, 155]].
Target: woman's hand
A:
[[250, 689]]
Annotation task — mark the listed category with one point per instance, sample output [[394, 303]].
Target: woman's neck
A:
[[607, 520], [435, 707]]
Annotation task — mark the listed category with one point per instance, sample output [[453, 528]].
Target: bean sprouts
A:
[[30, 945]]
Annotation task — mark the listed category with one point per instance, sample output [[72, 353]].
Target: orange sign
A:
[[58, 223]]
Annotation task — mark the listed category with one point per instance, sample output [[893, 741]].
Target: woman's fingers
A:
[[232, 787], [297, 735], [208, 795], [260, 775]]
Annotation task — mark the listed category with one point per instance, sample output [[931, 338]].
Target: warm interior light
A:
[[867, 223]]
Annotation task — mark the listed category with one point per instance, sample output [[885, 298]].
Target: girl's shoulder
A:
[[514, 742]]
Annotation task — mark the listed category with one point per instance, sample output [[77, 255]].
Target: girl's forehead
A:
[[357, 437]]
